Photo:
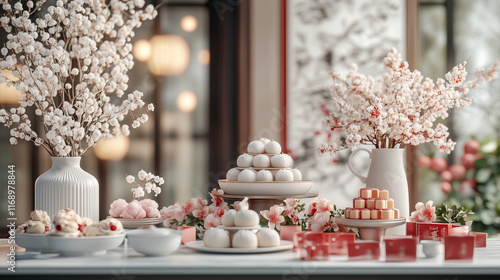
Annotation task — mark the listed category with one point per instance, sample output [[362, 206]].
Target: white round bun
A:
[[247, 176], [273, 147], [256, 147], [268, 237], [228, 218], [245, 239], [289, 158], [280, 161], [216, 238], [297, 176], [264, 176], [284, 175], [264, 141], [261, 161], [246, 218], [232, 174], [244, 160]]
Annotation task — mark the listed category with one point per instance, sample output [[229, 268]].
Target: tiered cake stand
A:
[[264, 202], [370, 229]]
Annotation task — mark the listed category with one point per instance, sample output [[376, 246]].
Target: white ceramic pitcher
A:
[[387, 171]]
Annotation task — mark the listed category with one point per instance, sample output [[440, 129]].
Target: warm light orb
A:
[[186, 101], [115, 149], [204, 57], [169, 55], [142, 50], [9, 95], [189, 23]]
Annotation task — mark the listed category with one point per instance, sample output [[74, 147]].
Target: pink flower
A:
[[212, 220], [117, 207], [322, 221], [201, 213], [290, 202], [274, 216], [472, 147], [198, 203], [439, 164], [151, 208], [236, 205], [427, 214], [324, 205], [311, 209], [175, 211], [218, 201], [190, 205], [133, 210], [457, 171]]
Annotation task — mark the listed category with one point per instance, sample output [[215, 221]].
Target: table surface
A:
[[125, 261]]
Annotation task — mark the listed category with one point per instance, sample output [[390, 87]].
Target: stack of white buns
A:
[[264, 162]]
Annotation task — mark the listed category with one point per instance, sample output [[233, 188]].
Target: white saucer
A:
[[199, 246]]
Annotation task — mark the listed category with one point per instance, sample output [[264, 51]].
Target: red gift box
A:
[[307, 239], [400, 249], [411, 228], [432, 231], [338, 242], [458, 247], [480, 238], [459, 230], [188, 233], [317, 252], [363, 251]]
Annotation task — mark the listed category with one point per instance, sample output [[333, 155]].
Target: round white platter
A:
[[135, 223], [84, 246], [240, 228], [265, 188], [199, 246], [370, 229]]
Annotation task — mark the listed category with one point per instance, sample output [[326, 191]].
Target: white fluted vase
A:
[[67, 185]]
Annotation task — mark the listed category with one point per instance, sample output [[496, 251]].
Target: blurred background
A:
[[224, 72]]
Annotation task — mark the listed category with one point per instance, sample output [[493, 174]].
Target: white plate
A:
[[78, 246], [135, 223], [265, 188], [32, 242], [240, 228], [266, 168], [369, 223], [199, 246]]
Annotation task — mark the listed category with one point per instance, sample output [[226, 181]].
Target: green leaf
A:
[[483, 175]]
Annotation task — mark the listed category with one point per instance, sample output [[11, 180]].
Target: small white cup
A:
[[431, 248]]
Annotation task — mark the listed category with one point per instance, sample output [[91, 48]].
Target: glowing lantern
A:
[[115, 149], [186, 101], [142, 50], [9, 95], [169, 55], [189, 23]]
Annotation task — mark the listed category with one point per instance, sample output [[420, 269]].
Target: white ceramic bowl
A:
[[154, 241], [33, 242], [135, 223], [431, 248], [265, 188], [84, 246]]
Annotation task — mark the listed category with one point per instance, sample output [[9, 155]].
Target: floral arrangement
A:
[[146, 208], [473, 183], [70, 62], [196, 212], [289, 213], [147, 182], [398, 109], [427, 213], [319, 215]]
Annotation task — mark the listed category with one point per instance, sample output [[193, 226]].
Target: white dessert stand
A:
[[199, 246], [264, 202], [370, 229]]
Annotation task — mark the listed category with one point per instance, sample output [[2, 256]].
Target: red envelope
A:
[[411, 228], [306, 239], [317, 252], [459, 247], [400, 249], [338, 242], [432, 231], [363, 251], [188, 233], [480, 240]]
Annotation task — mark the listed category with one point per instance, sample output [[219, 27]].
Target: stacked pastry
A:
[[264, 162], [243, 238], [38, 223], [374, 204]]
